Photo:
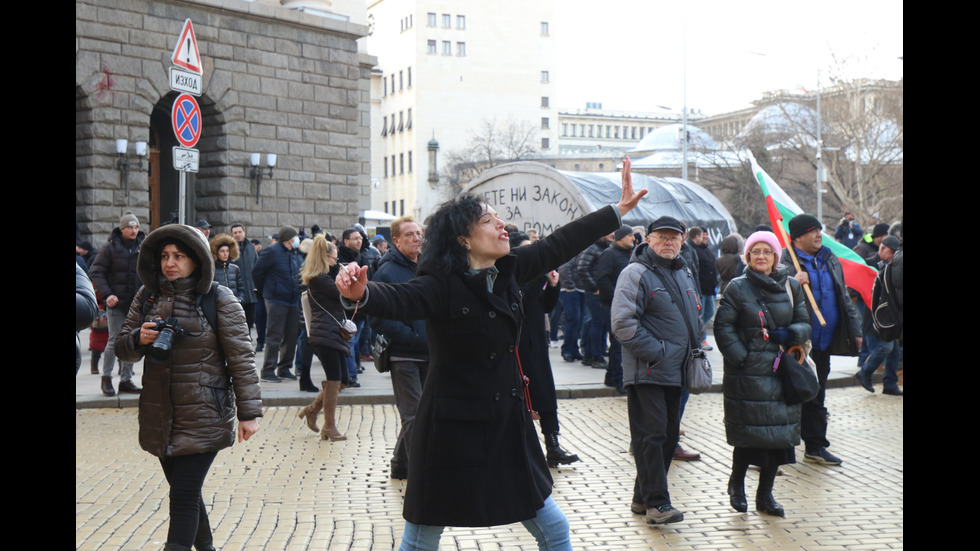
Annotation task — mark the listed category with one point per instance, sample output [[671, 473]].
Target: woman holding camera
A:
[[199, 366], [326, 335]]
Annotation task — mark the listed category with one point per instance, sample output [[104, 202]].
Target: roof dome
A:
[[666, 138], [782, 120]]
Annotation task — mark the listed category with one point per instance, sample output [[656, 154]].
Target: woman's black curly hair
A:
[[443, 228]]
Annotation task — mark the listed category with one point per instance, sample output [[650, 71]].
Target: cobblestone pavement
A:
[[285, 489]]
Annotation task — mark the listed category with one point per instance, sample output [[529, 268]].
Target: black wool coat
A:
[[476, 459], [756, 415], [539, 300]]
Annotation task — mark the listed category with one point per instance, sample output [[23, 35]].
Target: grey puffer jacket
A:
[[189, 399], [655, 338], [756, 416]]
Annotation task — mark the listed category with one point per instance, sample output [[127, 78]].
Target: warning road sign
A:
[[186, 115], [186, 54]]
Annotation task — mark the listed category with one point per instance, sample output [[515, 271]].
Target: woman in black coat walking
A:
[[757, 316], [540, 295], [475, 455]]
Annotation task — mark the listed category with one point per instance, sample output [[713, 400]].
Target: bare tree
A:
[[492, 143]]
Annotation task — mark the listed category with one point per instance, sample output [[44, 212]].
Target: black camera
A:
[[168, 329]]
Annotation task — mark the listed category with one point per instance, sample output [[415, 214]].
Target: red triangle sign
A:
[[186, 54]]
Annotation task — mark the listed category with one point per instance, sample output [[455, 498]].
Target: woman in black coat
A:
[[756, 318], [540, 295], [475, 457]]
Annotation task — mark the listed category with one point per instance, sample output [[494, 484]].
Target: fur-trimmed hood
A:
[[148, 265], [221, 240]]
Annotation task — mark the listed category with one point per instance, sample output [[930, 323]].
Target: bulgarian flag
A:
[[857, 274]]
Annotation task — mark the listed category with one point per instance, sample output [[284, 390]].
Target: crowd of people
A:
[[466, 309]]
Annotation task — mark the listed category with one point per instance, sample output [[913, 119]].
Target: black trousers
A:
[[655, 422], [188, 515], [813, 414]]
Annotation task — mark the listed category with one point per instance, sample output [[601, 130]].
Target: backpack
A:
[[208, 303], [886, 312]]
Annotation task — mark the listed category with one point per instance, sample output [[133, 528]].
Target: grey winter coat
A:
[[756, 416], [656, 341]]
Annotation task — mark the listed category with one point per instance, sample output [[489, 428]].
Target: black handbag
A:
[[798, 379], [381, 350], [799, 382]]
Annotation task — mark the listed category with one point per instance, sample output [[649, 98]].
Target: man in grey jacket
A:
[[655, 311]]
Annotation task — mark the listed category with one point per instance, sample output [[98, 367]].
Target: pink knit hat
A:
[[766, 237]]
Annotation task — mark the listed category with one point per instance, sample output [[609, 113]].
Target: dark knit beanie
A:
[[892, 243], [287, 233], [879, 230], [803, 224], [622, 232]]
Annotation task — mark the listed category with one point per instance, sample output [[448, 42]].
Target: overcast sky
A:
[[628, 54]]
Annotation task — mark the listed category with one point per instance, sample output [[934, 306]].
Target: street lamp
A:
[[256, 172], [123, 163]]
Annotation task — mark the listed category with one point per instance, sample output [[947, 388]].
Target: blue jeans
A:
[[882, 351], [594, 340], [550, 529], [571, 301]]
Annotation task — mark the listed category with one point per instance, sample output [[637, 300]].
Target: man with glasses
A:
[[409, 344], [656, 316]]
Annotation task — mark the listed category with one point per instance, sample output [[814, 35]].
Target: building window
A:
[[410, 161], [545, 123], [545, 77], [460, 22], [430, 47], [430, 19], [386, 169], [401, 163], [447, 47], [392, 165], [544, 28], [545, 143], [401, 81], [447, 21], [392, 83], [401, 203], [384, 86], [545, 102], [401, 125], [384, 129], [386, 207], [461, 49], [409, 77], [564, 129], [408, 123]]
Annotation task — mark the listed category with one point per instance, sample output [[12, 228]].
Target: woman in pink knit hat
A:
[[756, 317]]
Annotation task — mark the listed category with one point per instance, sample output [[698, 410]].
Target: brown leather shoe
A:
[[681, 454]]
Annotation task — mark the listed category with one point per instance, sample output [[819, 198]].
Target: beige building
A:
[[449, 70], [592, 130]]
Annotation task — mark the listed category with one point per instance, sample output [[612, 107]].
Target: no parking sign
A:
[[186, 116]]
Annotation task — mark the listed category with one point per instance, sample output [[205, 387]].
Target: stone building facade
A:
[[275, 81]]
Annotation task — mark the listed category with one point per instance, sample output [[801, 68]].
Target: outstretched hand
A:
[[630, 197], [352, 281]]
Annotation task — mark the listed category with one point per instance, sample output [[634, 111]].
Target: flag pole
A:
[[796, 264]]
